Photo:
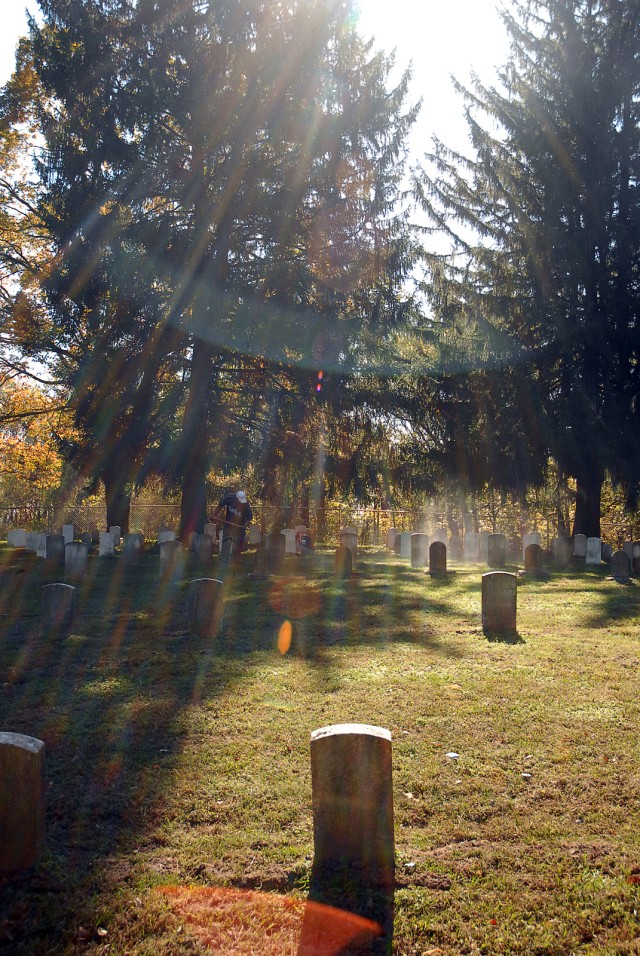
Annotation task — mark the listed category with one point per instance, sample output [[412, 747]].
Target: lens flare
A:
[[284, 637]]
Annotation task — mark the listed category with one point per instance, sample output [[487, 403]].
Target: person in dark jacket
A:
[[234, 513]]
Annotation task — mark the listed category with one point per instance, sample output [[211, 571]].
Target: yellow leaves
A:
[[31, 423]]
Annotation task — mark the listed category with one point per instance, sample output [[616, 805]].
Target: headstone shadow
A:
[[495, 636], [350, 911]]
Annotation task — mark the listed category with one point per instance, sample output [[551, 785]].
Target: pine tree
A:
[[546, 271]]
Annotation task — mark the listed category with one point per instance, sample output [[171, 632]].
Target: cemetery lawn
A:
[[178, 782]]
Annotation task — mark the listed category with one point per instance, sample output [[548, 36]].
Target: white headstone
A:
[[166, 536], [533, 537], [106, 547], [419, 546], [405, 544], [67, 533], [594, 551], [391, 538], [579, 545], [254, 535], [211, 528], [75, 559], [41, 545], [116, 531], [471, 551], [289, 540], [349, 539], [31, 541], [17, 538]]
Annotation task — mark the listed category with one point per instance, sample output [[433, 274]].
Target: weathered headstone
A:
[[620, 567], [75, 560], [305, 542], [166, 535], [132, 547], [533, 558], [57, 603], [171, 562], [483, 546], [275, 544], [289, 540], [262, 564], [405, 544], [437, 559], [593, 554], [532, 537], [116, 531], [390, 539], [67, 532], [419, 550], [471, 550], [562, 549], [31, 541], [205, 604], [607, 551], [496, 550], [635, 558], [54, 553], [397, 544], [351, 781], [41, 545], [22, 808], [343, 562], [87, 538], [17, 538], [106, 547], [499, 601], [349, 539], [204, 549], [579, 545], [254, 536]]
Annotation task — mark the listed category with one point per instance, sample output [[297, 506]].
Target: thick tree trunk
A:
[[196, 441], [118, 499], [588, 494]]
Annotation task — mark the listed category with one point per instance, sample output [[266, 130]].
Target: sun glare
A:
[[439, 40]]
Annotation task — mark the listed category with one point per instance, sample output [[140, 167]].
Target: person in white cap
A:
[[237, 515]]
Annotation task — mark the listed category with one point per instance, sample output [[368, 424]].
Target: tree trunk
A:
[[196, 441], [118, 498], [588, 493]]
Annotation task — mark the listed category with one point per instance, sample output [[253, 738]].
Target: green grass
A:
[[178, 773]]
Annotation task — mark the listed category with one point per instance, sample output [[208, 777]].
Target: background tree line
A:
[[208, 250]]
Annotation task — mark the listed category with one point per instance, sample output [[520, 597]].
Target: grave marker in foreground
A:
[[57, 602], [499, 601], [204, 606], [351, 780], [22, 811]]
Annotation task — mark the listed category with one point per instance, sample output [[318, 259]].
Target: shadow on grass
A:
[[503, 637], [109, 699]]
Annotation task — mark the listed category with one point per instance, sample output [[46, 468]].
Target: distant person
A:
[[234, 513]]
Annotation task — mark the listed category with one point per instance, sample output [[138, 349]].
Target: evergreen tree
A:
[[221, 183], [545, 219]]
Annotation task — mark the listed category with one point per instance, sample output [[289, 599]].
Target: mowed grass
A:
[[178, 780]]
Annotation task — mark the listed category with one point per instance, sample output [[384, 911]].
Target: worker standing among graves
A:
[[234, 513]]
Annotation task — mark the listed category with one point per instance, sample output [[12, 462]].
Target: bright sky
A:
[[440, 37]]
